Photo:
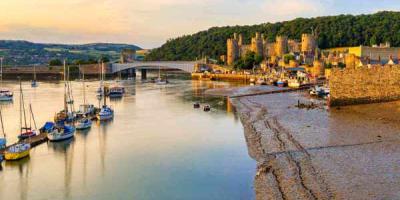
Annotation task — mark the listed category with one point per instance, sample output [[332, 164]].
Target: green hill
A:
[[17, 52], [333, 31]]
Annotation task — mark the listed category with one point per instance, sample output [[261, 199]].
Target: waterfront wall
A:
[[364, 85]]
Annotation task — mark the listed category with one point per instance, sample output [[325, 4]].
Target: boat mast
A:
[[33, 116], [65, 89], [22, 105], [2, 125], [34, 72], [104, 88], [1, 71], [83, 85]]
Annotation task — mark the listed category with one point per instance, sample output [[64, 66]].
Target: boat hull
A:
[[17, 155], [83, 126], [6, 98], [105, 117], [57, 138]]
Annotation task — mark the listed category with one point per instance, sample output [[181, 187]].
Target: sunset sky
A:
[[149, 23]]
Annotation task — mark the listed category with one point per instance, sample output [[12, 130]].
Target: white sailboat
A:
[[106, 112], [34, 82], [85, 110], [159, 80]]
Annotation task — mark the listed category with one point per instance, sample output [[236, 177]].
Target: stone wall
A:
[[363, 85]]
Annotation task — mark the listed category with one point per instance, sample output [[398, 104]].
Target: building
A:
[[382, 53], [257, 45], [281, 46], [308, 44]]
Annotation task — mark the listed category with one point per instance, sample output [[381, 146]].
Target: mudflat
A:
[[316, 152]]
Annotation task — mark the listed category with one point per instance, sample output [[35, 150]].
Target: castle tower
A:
[[308, 43], [232, 50], [257, 44], [281, 46]]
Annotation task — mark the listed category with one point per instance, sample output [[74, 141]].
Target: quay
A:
[[33, 141]]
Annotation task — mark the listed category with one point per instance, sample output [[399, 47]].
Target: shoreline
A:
[[319, 153]]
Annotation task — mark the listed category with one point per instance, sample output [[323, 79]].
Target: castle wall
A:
[[364, 85]]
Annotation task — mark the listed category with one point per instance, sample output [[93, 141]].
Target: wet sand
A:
[[342, 153]]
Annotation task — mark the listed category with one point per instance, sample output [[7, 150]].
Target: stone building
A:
[[308, 44], [257, 45], [281, 46], [232, 50]]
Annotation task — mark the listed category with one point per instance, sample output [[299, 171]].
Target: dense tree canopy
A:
[[333, 31]]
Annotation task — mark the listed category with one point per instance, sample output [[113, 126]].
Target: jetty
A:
[[33, 141]]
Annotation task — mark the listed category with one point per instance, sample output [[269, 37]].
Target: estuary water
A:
[[157, 147]]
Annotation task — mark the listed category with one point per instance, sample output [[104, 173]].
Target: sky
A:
[[149, 23]]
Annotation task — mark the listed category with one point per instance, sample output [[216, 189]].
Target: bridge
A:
[[187, 66]]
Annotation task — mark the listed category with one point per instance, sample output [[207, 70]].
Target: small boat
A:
[[160, 81], [64, 116], [17, 152], [47, 127], [61, 132], [83, 123], [106, 113], [26, 131], [85, 110], [207, 108], [6, 95], [34, 82], [29, 133], [116, 92], [293, 83], [196, 105], [280, 83]]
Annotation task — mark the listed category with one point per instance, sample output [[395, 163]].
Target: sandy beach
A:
[[348, 152]]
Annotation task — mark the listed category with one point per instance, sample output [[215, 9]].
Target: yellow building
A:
[[383, 53]]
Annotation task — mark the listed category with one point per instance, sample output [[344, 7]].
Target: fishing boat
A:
[[206, 108], [26, 131], [34, 82], [83, 124], [196, 105], [61, 132], [116, 92], [17, 151], [66, 115], [5, 94], [106, 113]]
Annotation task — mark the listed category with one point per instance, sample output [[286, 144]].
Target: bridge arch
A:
[[187, 66]]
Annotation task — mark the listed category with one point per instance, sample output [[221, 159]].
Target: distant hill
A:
[[17, 52], [334, 31]]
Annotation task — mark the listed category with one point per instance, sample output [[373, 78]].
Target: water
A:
[[157, 147]]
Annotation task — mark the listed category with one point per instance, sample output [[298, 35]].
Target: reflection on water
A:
[[157, 147]]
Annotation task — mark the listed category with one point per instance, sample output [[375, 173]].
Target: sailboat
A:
[[106, 112], [65, 115], [22, 149], [159, 80], [60, 132], [34, 82], [5, 94], [85, 110], [26, 132]]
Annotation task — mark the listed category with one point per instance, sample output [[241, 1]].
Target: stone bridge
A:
[[187, 66]]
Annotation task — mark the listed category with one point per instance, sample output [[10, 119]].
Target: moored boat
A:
[[206, 108], [83, 123], [294, 83], [61, 132], [116, 92], [17, 151], [106, 113], [6, 95]]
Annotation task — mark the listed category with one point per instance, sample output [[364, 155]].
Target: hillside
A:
[[333, 31], [26, 53]]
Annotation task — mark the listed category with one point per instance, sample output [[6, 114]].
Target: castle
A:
[[260, 46]]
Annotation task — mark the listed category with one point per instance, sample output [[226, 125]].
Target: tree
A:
[[55, 62]]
